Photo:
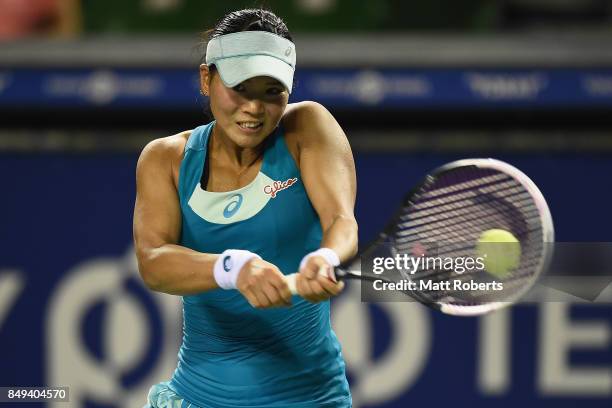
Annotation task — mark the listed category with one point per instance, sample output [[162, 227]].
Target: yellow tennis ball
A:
[[500, 250]]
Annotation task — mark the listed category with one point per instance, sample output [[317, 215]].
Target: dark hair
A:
[[247, 20], [252, 19]]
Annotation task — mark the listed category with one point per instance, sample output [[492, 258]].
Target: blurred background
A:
[[84, 85]]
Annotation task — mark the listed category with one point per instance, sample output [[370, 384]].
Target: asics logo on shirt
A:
[[233, 206], [272, 189]]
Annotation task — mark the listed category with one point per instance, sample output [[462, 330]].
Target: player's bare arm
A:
[[328, 172], [164, 265]]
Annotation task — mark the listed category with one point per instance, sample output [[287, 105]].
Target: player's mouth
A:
[[250, 126]]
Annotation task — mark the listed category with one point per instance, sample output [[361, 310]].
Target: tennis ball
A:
[[500, 250]]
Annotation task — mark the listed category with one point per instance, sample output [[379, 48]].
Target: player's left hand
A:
[[316, 281]]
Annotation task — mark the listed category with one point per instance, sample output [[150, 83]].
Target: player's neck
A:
[[225, 150]]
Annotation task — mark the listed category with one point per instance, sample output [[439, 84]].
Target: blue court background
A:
[[62, 211]]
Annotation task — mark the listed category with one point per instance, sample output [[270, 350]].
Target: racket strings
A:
[[459, 223], [456, 228], [465, 201], [425, 201], [469, 208], [460, 180], [512, 194]]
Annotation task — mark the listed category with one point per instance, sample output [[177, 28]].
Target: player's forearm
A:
[[341, 236], [177, 270]]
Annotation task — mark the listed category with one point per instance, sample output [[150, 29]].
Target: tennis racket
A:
[[444, 218]]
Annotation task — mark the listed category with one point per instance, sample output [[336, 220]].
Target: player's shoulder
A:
[[164, 152], [308, 122], [304, 114], [166, 147]]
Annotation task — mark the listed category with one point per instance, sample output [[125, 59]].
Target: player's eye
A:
[[239, 88], [275, 91]]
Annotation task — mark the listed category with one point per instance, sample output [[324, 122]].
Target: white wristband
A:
[[327, 253], [228, 266]]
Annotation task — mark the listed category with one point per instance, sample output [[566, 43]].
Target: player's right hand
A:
[[315, 281], [263, 285]]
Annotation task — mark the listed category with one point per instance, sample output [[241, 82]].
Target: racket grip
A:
[[292, 283], [292, 280]]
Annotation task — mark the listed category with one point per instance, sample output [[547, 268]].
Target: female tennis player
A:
[[224, 211]]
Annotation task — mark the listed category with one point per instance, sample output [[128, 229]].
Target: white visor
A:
[[247, 54]]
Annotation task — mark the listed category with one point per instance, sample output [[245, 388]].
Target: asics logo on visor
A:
[[233, 206]]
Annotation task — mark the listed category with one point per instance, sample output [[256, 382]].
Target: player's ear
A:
[[205, 77]]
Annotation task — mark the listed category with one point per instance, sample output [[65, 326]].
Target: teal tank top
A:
[[232, 354]]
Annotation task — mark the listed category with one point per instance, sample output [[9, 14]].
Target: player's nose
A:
[[254, 107]]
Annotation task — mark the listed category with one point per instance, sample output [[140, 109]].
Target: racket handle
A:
[[292, 282]]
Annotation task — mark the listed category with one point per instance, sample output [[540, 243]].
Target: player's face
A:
[[249, 112]]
